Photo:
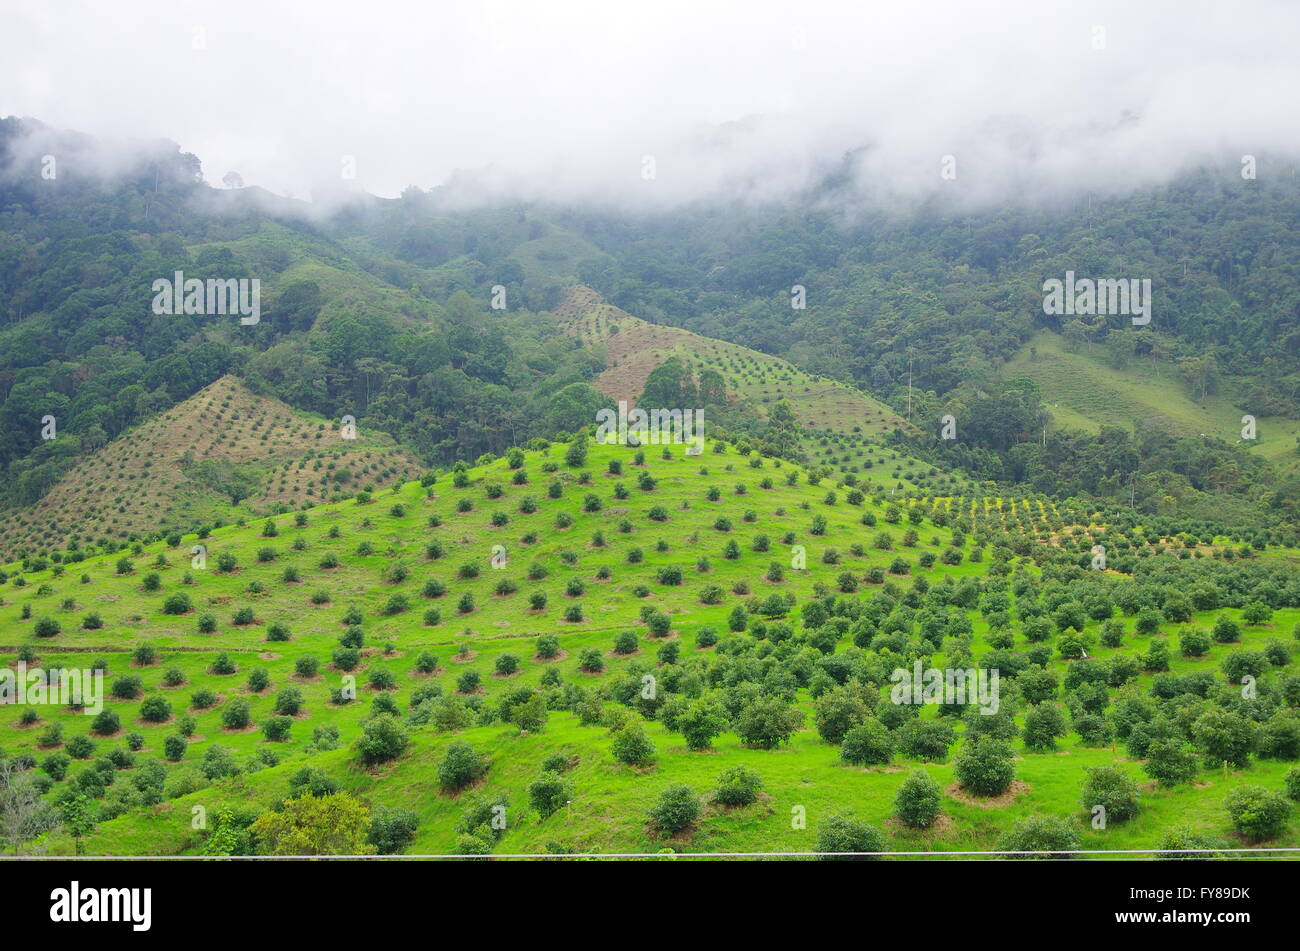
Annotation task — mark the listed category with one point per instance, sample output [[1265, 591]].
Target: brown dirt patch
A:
[[1016, 790]]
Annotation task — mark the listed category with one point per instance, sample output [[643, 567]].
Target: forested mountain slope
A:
[[424, 317]]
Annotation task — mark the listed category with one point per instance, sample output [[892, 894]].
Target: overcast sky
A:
[[566, 99]]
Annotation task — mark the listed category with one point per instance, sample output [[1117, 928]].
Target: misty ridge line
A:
[[1004, 167]]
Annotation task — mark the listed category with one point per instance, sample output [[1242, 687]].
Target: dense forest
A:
[[78, 256]]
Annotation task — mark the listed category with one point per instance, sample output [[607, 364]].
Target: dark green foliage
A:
[[1257, 813], [844, 832], [1050, 834], [917, 800], [677, 809], [984, 766]]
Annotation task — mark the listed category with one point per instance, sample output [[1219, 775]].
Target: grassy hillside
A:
[[223, 454], [634, 347], [844, 425], [1083, 391], [612, 552], [554, 256]]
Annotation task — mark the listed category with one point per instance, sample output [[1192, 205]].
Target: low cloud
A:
[[578, 101]]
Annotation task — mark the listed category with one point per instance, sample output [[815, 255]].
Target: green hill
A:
[[1083, 391], [634, 347], [844, 425], [225, 453], [618, 545]]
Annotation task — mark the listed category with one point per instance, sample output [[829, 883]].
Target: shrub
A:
[[558, 763], [203, 699], [700, 723], [1243, 663], [1292, 781], [47, 627], [1170, 761], [288, 702], [155, 709], [867, 744], [1226, 630], [382, 739], [926, 739], [767, 723], [346, 658], [738, 786], [236, 714], [678, 809], [917, 801], [106, 723], [174, 747], [844, 832], [277, 728], [549, 792], [1043, 724], [1050, 834], [1257, 813], [838, 711], [460, 766], [530, 716], [127, 687], [1112, 789], [1175, 843], [984, 766], [56, 766], [311, 781], [1257, 612], [178, 603], [1279, 737], [392, 830], [1193, 642], [1225, 737], [632, 746]]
